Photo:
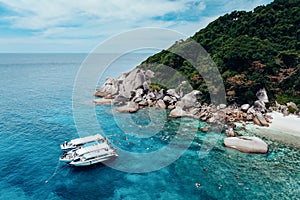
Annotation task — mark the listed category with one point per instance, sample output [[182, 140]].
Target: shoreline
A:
[[283, 129], [131, 92]]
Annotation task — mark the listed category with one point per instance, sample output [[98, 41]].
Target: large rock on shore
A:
[[172, 92], [160, 94], [102, 101], [110, 87], [246, 144], [120, 100], [130, 107], [189, 100], [161, 104], [132, 81], [245, 107], [292, 105], [261, 119], [126, 84], [256, 121], [177, 112], [259, 106]]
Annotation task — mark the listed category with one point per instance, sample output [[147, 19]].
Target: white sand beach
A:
[[284, 129], [290, 123]]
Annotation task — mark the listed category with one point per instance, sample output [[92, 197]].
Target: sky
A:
[[80, 25]]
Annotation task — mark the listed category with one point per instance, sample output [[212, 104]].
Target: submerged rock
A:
[[246, 144], [229, 132], [205, 129]]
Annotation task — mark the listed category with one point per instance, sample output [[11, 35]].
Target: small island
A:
[[257, 55], [131, 92]]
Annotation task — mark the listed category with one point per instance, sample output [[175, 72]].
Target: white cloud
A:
[[95, 20], [42, 14]]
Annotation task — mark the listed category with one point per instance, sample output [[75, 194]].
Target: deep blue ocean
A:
[[36, 116]]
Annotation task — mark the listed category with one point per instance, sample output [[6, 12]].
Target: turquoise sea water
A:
[[36, 116]]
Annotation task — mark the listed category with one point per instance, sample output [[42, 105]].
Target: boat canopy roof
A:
[[92, 148], [87, 139], [98, 153]]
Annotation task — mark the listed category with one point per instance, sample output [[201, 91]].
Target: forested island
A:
[[252, 50], [257, 54]]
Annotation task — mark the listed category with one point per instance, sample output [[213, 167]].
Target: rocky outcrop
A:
[[289, 108], [131, 91], [125, 84], [246, 144], [292, 105]]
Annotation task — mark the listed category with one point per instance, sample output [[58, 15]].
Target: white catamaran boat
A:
[[76, 143], [70, 155], [94, 157]]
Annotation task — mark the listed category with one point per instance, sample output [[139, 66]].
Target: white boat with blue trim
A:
[[94, 157], [79, 142], [90, 147]]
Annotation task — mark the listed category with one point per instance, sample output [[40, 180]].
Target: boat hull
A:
[[66, 160], [91, 162], [67, 147]]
